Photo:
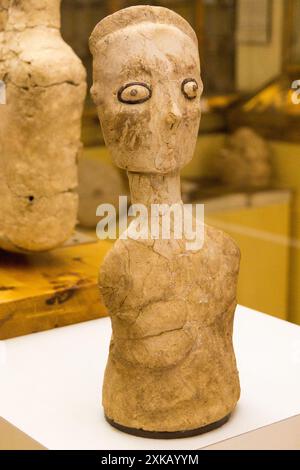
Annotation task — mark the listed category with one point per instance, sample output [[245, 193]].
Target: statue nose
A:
[[174, 116]]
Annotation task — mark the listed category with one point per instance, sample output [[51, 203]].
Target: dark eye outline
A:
[[185, 81], [142, 100]]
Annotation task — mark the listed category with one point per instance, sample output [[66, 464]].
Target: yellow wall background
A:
[[286, 162], [262, 235]]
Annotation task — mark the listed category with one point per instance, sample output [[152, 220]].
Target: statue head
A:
[[147, 88]]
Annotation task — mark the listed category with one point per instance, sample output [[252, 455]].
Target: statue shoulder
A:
[[225, 243], [115, 263], [114, 277]]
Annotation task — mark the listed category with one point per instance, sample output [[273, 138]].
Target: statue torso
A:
[[159, 295]]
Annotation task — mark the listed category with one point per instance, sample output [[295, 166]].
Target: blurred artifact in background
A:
[[39, 127], [99, 183], [244, 162], [171, 370]]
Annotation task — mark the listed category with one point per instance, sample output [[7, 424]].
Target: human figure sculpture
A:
[[171, 370], [40, 127]]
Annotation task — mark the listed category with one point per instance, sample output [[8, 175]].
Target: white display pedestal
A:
[[50, 389]]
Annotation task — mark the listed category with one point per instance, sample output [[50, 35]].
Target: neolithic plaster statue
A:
[[171, 369], [39, 127], [245, 160]]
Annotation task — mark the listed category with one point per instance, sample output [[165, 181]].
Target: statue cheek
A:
[[192, 117], [129, 128]]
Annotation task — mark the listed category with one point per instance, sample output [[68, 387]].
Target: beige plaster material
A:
[[245, 160], [40, 127], [171, 364]]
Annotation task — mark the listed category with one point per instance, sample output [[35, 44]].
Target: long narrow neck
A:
[[150, 189], [30, 13]]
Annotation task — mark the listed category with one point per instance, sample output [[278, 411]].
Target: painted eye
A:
[[189, 88], [134, 93]]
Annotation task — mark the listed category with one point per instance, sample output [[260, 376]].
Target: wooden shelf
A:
[[46, 290]]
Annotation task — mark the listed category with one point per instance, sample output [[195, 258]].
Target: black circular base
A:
[[168, 435]]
